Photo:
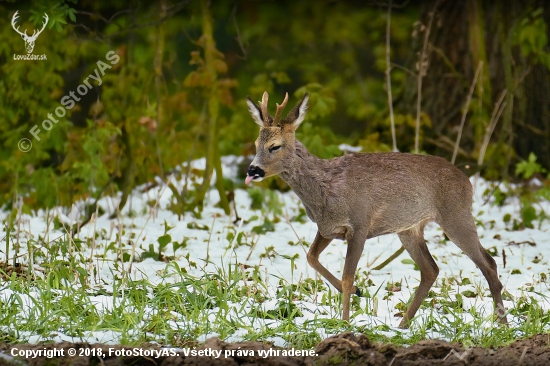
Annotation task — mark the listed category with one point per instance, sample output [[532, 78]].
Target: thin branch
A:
[[390, 259], [421, 72], [388, 78], [385, 5], [446, 143], [488, 134], [239, 40], [465, 112], [497, 111], [170, 11], [157, 67], [96, 35], [407, 70], [93, 208], [448, 63], [110, 20], [192, 153]]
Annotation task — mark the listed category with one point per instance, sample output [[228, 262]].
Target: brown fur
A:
[[360, 196]]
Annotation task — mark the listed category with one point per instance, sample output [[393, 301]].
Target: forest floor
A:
[[342, 349]]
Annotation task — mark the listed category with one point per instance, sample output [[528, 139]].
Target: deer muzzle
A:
[[254, 173]]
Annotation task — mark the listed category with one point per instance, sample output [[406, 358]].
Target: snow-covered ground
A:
[[526, 251]]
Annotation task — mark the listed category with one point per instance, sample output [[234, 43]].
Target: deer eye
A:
[[274, 148]]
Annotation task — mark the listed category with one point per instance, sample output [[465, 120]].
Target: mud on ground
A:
[[343, 349]]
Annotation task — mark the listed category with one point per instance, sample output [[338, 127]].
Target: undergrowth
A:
[[92, 289]]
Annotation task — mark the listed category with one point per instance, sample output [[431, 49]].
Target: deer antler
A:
[[13, 21], [280, 109], [263, 106]]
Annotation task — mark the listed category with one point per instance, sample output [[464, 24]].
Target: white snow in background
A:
[[143, 226], [348, 148]]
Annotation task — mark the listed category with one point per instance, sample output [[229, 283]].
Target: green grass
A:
[[57, 290], [229, 302]]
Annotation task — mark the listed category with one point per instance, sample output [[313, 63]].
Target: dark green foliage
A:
[[177, 91]]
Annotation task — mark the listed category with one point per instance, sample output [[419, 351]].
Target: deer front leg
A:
[[355, 248], [319, 244]]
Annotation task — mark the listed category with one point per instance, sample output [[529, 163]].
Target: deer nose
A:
[[254, 170]]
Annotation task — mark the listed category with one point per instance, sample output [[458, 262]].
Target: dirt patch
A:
[[343, 349], [7, 271]]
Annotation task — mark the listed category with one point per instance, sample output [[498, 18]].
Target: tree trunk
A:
[[465, 33], [213, 160]]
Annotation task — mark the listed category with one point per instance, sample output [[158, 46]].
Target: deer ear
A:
[[255, 112], [298, 113]]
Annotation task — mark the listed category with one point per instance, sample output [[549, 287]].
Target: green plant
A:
[[528, 168]]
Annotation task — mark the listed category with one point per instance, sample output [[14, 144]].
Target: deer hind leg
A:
[[463, 233], [319, 244], [413, 241], [353, 254]]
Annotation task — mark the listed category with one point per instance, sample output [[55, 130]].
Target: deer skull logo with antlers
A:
[[29, 40]]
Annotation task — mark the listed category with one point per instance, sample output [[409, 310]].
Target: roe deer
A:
[[360, 196]]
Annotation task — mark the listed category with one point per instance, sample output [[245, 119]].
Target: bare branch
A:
[[108, 21], [388, 78], [465, 112], [239, 40], [401, 67], [390, 4], [422, 67], [497, 111], [170, 11]]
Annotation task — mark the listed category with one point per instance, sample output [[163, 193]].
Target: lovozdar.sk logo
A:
[[29, 40]]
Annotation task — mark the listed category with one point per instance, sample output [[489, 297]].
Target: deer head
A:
[[29, 40], [275, 144]]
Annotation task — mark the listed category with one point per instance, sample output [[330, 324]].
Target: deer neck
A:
[[307, 179]]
